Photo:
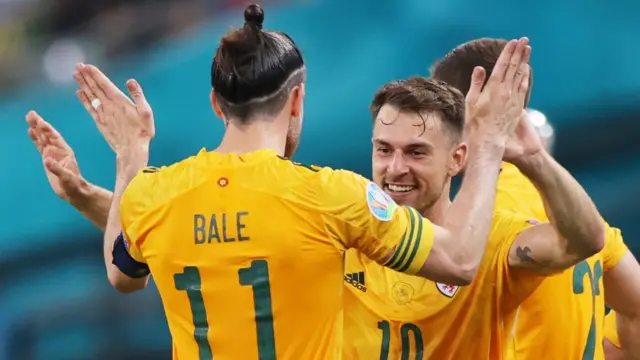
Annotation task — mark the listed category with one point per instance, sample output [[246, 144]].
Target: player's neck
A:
[[437, 212], [258, 135]]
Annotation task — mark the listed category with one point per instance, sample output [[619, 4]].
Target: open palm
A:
[[124, 123], [60, 164]]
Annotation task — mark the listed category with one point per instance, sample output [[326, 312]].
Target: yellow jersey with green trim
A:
[[575, 296], [247, 250], [392, 316]]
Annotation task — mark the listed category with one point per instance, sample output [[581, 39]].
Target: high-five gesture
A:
[[495, 110], [125, 124], [524, 142]]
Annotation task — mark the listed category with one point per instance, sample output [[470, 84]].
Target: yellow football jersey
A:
[[247, 250], [575, 296], [392, 316], [611, 328]]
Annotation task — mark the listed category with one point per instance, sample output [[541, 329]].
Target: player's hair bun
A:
[[254, 16]]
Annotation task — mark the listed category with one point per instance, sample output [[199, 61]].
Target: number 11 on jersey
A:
[[256, 276]]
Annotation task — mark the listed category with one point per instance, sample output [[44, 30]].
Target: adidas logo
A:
[[356, 280]]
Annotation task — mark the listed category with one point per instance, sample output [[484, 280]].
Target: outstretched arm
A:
[[400, 238], [94, 204], [61, 167], [492, 113], [128, 128], [576, 230]]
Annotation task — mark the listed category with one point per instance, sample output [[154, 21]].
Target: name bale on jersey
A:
[[221, 228]]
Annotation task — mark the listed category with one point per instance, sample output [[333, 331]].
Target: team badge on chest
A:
[[447, 290]]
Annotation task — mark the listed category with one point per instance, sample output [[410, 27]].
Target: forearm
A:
[[568, 206], [629, 335], [127, 166], [94, 204], [470, 215]]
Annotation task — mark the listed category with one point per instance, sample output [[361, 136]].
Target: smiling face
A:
[[415, 156]]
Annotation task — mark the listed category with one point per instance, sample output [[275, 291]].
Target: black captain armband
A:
[[150, 170], [123, 261]]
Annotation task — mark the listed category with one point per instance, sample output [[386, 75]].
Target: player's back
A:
[[247, 250], [242, 261], [574, 297]]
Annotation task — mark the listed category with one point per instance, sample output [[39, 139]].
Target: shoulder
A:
[[344, 180], [330, 184], [154, 186], [507, 225]]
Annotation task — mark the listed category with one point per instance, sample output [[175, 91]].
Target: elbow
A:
[[460, 273], [597, 238], [124, 284], [124, 288], [465, 274], [450, 266], [588, 243]]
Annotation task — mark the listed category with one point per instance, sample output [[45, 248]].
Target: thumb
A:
[[477, 82], [135, 90]]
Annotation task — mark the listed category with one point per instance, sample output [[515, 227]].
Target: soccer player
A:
[[574, 299], [417, 148], [229, 234]]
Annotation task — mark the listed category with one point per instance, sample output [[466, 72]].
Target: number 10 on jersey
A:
[[256, 276]]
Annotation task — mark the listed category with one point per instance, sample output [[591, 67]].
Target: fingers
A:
[[57, 169], [525, 83], [32, 134], [477, 82], [35, 133], [514, 71], [502, 65], [33, 118], [52, 136], [43, 134], [86, 90], [103, 83], [86, 102], [91, 87], [139, 99], [523, 69]]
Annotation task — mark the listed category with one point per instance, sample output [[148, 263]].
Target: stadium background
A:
[[55, 302]]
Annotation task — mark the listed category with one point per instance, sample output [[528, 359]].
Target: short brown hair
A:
[[457, 66], [423, 95]]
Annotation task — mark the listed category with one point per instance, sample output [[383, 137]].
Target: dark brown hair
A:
[[254, 70], [422, 96], [457, 66]]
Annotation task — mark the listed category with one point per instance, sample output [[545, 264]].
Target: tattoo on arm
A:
[[523, 252]]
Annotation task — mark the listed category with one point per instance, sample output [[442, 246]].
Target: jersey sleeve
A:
[[136, 207], [505, 229], [358, 214], [611, 328], [614, 248]]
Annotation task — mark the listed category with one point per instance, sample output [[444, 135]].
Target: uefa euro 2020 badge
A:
[[380, 203]]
